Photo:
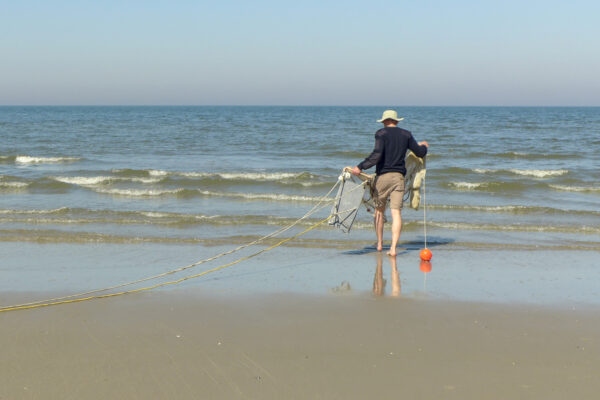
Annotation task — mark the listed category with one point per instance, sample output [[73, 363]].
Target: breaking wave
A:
[[536, 173], [100, 180], [44, 160], [14, 185], [469, 185], [261, 196], [139, 192], [511, 209], [592, 189], [540, 173]]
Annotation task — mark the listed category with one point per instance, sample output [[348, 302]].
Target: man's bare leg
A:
[[396, 229], [379, 227]]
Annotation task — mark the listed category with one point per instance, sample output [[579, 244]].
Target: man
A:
[[388, 155]]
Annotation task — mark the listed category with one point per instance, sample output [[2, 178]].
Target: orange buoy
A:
[[425, 266], [426, 255]]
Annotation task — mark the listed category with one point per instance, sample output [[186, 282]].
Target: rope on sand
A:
[[103, 296]]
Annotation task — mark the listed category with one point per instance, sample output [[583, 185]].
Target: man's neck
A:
[[390, 125]]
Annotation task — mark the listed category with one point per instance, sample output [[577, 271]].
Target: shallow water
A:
[[107, 181]]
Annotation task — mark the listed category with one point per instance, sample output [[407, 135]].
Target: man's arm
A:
[[420, 149], [373, 158]]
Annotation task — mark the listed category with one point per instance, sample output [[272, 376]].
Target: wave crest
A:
[[468, 185], [576, 188], [44, 160], [540, 173]]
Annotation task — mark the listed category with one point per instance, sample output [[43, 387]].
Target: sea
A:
[[96, 196]]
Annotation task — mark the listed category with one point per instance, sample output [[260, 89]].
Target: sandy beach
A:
[[182, 345], [97, 197]]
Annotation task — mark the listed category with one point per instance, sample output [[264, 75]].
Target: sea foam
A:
[[261, 196], [576, 188], [540, 173], [138, 192], [250, 176], [14, 185], [83, 180], [44, 160], [98, 180], [468, 185], [536, 173]]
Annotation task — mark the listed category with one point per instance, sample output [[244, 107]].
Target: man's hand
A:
[[356, 171], [423, 143]]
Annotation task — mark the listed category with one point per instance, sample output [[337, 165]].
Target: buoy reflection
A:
[[425, 267]]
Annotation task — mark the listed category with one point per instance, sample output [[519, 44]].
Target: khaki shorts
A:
[[390, 185]]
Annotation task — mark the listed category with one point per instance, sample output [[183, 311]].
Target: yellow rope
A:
[[26, 307]]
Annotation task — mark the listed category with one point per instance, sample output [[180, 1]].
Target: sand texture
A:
[[183, 346]]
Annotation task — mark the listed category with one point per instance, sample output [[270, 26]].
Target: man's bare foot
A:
[[392, 253], [379, 246]]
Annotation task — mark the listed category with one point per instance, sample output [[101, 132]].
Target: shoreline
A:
[[560, 279]]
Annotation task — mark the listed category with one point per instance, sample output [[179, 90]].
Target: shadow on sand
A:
[[404, 247]]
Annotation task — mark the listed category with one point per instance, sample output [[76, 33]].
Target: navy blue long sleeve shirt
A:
[[388, 155]]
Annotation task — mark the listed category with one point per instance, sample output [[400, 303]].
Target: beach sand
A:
[[182, 345]]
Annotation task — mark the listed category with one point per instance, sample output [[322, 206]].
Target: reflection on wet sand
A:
[[425, 266], [379, 282]]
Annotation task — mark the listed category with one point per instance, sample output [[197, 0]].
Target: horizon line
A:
[[294, 105]]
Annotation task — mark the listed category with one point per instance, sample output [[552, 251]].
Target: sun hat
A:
[[390, 114]]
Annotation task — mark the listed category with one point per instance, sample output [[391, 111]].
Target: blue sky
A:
[[302, 53]]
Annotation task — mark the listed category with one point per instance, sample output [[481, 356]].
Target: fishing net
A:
[[347, 201], [353, 191]]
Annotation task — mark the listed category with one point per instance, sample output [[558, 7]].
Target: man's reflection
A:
[[379, 282]]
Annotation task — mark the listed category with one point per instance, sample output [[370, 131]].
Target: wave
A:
[[498, 186], [50, 211], [248, 176], [100, 180], [520, 155], [591, 230], [512, 209], [533, 156], [181, 192], [139, 192], [84, 181], [591, 189], [537, 173], [87, 216], [14, 185], [303, 179], [469, 185], [261, 196], [540, 173], [66, 215], [44, 160]]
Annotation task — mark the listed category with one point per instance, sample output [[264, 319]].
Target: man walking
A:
[[388, 155]]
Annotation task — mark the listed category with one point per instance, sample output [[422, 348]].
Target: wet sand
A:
[[181, 345]]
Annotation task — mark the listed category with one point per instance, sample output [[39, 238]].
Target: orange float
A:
[[426, 255]]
